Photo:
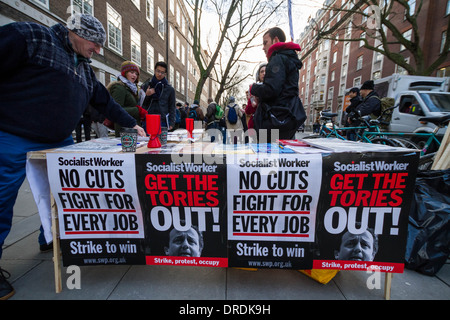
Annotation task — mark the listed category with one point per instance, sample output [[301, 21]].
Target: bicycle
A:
[[363, 132], [430, 137]]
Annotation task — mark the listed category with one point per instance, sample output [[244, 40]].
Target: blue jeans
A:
[[12, 174]]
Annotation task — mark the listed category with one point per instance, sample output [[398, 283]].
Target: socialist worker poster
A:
[[272, 205], [184, 210], [362, 219], [100, 218]]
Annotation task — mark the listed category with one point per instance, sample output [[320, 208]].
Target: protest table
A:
[[285, 205]]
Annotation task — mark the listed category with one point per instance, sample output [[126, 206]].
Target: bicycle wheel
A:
[[383, 141], [405, 143], [426, 161]]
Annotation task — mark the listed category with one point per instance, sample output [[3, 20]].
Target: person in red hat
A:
[[125, 91]]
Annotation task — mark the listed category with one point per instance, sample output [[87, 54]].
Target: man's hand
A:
[[140, 131]]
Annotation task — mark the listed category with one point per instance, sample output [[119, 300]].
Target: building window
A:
[[172, 39], [412, 7], [150, 12], [335, 57], [83, 6], [357, 82], [443, 72], [171, 74], [378, 55], [114, 29], [183, 55], [407, 36], [401, 70], [43, 3], [444, 36], [376, 75], [161, 24], [178, 15], [150, 58], [137, 3], [183, 86], [135, 47], [359, 63], [346, 49], [447, 12], [344, 70], [330, 93], [178, 84], [362, 42]]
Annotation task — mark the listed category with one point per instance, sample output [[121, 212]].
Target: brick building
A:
[[332, 67], [143, 31]]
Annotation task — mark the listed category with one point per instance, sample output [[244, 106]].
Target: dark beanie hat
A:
[[368, 85]]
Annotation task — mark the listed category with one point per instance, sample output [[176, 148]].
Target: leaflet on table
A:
[[339, 145], [184, 205], [272, 205], [100, 217], [110, 145]]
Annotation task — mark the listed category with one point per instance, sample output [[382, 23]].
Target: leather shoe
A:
[[6, 290], [46, 247]]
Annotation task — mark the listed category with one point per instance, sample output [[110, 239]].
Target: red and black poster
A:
[[184, 210], [362, 219]]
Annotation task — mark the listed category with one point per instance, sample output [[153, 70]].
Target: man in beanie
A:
[[371, 103], [45, 86]]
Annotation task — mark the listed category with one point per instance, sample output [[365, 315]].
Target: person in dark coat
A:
[[279, 105], [371, 103], [159, 97], [48, 86], [352, 119]]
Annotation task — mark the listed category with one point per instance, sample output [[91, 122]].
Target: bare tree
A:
[[249, 23], [377, 26], [239, 22]]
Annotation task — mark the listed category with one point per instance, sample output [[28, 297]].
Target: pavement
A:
[[32, 276]]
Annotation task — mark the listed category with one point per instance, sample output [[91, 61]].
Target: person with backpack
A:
[[371, 103], [214, 113], [233, 115], [196, 112]]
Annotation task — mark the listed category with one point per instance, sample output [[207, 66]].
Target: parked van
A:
[[415, 97]]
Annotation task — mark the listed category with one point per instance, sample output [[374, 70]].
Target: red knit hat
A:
[[128, 66]]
